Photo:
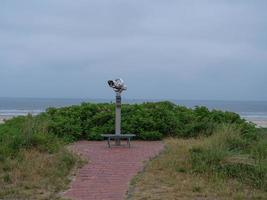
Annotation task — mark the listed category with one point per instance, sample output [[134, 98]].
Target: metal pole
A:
[[118, 117]]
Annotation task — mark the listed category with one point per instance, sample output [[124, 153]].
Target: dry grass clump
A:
[[36, 175], [170, 176], [34, 163]]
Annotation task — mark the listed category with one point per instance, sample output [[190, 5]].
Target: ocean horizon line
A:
[[24, 105], [141, 99]]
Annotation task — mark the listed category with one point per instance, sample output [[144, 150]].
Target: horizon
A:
[[138, 99]]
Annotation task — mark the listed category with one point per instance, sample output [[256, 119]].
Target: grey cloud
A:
[[185, 49]]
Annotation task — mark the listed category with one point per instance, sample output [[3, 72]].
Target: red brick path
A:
[[109, 171]]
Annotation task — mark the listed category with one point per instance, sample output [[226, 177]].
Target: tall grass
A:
[[27, 133], [229, 153], [34, 163], [35, 175], [172, 175]]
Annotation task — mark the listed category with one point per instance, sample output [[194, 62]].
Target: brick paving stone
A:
[[109, 170]]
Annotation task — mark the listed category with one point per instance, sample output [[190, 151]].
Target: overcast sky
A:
[[173, 49]]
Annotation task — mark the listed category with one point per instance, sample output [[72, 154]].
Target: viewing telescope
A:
[[117, 85]]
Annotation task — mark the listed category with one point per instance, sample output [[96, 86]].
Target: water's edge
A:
[[255, 111]]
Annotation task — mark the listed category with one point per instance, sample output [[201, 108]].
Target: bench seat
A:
[[118, 137]]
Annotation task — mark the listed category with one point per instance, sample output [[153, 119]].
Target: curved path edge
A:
[[109, 171]]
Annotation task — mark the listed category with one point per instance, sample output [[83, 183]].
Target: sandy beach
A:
[[260, 123], [3, 118]]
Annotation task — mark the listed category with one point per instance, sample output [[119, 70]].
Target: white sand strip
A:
[[3, 118], [260, 123]]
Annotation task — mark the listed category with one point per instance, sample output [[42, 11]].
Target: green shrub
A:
[[151, 135], [94, 134], [45, 142], [65, 122], [164, 117]]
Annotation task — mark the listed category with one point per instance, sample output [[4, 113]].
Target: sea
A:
[[251, 110]]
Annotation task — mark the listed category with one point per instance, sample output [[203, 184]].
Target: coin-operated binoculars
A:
[[118, 86]]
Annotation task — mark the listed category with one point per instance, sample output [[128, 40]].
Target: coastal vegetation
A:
[[191, 169], [161, 119], [34, 164], [212, 146]]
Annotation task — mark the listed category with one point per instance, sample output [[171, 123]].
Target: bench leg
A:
[[129, 142], [109, 142]]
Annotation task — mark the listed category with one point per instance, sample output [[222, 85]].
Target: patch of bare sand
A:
[[3, 118], [260, 123]]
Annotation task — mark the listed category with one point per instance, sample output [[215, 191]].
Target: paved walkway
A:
[[109, 171]]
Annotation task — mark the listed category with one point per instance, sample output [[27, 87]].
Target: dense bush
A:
[[90, 120], [151, 135]]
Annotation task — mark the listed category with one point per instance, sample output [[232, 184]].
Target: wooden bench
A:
[[117, 138]]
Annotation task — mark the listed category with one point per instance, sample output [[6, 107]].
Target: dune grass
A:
[[34, 164], [36, 175], [205, 168]]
